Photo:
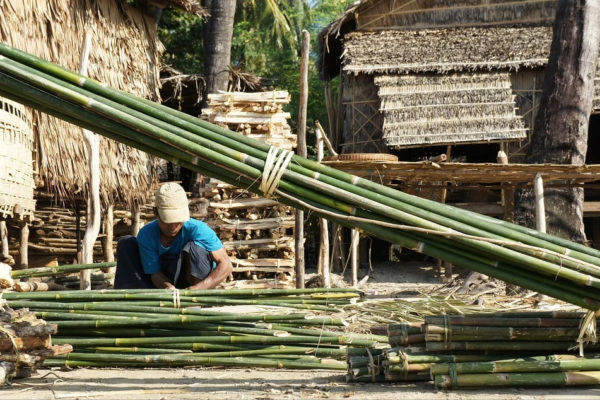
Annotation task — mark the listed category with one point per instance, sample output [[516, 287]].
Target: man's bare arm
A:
[[219, 274], [161, 281]]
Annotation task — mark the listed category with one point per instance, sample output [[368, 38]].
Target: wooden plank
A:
[[264, 269], [469, 172], [263, 262], [244, 203]]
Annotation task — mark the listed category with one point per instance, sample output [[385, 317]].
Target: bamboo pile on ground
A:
[[515, 254], [159, 328], [24, 343], [60, 277]]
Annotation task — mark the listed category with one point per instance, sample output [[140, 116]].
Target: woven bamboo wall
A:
[[16, 165]]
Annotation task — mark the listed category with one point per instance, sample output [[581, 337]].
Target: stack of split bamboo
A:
[[160, 328], [24, 343], [515, 254], [257, 115], [257, 233]]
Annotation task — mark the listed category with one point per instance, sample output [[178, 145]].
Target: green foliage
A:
[[266, 42]]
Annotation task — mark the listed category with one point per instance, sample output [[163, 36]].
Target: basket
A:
[[16, 162]]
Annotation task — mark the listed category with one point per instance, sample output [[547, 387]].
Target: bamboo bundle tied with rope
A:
[[518, 255]]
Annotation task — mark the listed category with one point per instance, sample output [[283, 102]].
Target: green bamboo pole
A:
[[579, 301], [501, 332], [250, 339], [143, 350], [182, 360], [61, 269], [506, 346], [174, 117], [542, 379], [499, 321], [507, 254], [583, 364]]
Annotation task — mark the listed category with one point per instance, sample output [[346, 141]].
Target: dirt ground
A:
[[386, 280]]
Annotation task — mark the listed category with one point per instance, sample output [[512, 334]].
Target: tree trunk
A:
[[561, 128], [218, 45]]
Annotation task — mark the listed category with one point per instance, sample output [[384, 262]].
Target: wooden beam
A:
[[301, 151]]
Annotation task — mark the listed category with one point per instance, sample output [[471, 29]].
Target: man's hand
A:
[[161, 281], [219, 274]]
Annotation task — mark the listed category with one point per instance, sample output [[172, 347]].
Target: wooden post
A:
[[23, 245], [508, 200], [301, 151], [92, 143], [135, 219], [354, 241], [323, 266], [4, 240], [107, 241], [540, 209]]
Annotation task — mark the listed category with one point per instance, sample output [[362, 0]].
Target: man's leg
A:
[[130, 274], [197, 263]]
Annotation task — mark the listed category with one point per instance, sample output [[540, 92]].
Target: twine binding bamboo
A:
[[275, 164], [587, 330], [176, 299]]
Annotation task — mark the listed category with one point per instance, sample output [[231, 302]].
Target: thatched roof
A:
[[443, 50], [430, 109], [373, 15], [125, 54]]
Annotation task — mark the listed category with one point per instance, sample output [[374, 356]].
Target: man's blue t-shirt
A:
[[148, 240]]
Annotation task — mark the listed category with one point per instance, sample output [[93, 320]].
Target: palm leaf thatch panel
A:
[[432, 109], [444, 50], [373, 15], [16, 167], [125, 54]]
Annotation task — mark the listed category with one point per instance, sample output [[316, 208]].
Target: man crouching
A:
[[173, 251]]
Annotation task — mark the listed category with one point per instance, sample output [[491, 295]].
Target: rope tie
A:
[[372, 366], [453, 374], [446, 332], [275, 165], [176, 299], [587, 330], [404, 360]]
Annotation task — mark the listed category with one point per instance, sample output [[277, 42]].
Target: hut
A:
[[125, 54], [438, 72]]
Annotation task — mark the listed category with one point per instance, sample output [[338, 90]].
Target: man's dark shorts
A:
[[130, 274]]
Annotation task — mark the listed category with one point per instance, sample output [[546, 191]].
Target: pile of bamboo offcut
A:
[[24, 343]]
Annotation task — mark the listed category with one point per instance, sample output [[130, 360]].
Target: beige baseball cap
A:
[[172, 203]]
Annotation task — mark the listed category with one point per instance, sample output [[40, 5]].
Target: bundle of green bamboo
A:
[[558, 370], [509, 349], [536, 331], [518, 255], [141, 328]]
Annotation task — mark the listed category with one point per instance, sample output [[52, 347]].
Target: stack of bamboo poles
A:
[[59, 277], [141, 328], [515, 254], [24, 343], [498, 349]]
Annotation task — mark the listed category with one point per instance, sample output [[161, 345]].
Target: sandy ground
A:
[[386, 280], [257, 384]]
